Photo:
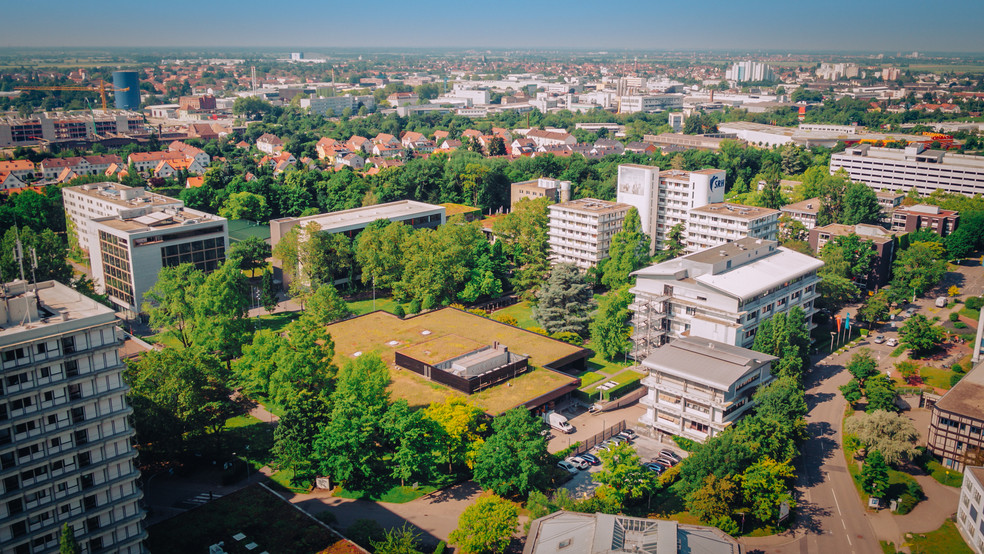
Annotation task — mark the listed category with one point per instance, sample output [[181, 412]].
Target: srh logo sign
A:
[[717, 182]]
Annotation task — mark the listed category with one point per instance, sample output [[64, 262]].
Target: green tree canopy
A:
[[919, 335], [891, 434], [486, 527], [628, 252], [609, 329], [513, 459], [566, 302]]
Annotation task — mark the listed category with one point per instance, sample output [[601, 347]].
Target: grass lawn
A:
[[936, 377], [241, 421], [949, 477], [522, 311], [945, 540], [589, 378], [970, 314], [264, 518], [384, 303], [599, 364], [167, 339], [277, 322], [396, 495], [285, 478], [620, 378]]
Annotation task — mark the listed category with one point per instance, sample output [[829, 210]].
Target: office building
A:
[[957, 423], [970, 509], [554, 189], [84, 203], [721, 293], [665, 198], [924, 216], [749, 71], [581, 230], [718, 223], [576, 533], [649, 103], [699, 387], [335, 105], [882, 241], [896, 170], [65, 440], [805, 212]]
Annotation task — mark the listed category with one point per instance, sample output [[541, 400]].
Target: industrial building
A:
[[722, 293], [65, 439], [581, 230], [895, 170]]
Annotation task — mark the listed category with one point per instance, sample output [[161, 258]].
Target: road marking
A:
[[836, 503]]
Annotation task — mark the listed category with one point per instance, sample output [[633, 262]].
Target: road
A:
[[830, 515]]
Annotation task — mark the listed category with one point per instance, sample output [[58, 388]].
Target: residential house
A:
[[357, 143], [269, 144], [551, 138], [145, 162], [169, 168], [325, 144], [191, 152], [522, 147], [22, 169], [352, 160], [450, 144], [956, 425], [10, 181]]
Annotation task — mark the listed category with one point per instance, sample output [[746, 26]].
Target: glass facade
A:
[[207, 254], [116, 267]]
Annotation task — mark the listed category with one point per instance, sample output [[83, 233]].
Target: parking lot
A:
[[583, 484]]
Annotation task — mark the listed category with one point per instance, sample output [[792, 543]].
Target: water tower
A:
[[129, 100]]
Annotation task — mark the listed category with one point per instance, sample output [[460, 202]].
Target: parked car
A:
[[629, 433], [578, 462], [591, 459], [911, 311], [879, 339], [654, 467], [670, 455], [663, 462], [617, 439], [606, 445], [670, 461], [568, 466], [892, 342], [625, 437]]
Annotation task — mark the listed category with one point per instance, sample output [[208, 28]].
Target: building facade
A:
[[882, 241], [65, 440], [85, 203], [970, 510], [957, 423], [895, 170], [723, 222], [805, 212], [699, 387], [721, 294], [554, 189], [56, 126], [581, 230], [923, 216]]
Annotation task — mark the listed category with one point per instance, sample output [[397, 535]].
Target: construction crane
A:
[[101, 88]]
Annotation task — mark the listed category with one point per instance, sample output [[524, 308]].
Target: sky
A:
[[775, 25]]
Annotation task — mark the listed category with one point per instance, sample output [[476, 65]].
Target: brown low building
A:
[[805, 212], [956, 428], [923, 216], [884, 244]]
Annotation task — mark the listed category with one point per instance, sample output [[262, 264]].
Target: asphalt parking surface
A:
[[583, 484]]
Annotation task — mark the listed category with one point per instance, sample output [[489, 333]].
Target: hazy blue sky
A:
[[873, 25]]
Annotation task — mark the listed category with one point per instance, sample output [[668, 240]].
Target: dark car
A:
[[591, 458]]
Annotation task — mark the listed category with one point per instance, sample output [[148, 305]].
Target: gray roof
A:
[[706, 361]]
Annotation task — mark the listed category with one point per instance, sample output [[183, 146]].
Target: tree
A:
[[860, 205], [220, 306], [524, 233], [251, 106], [413, 437], [919, 335], [623, 473], [268, 292], [566, 302], [765, 485], [862, 366], [48, 248], [874, 474], [714, 499], [783, 401], [348, 448], [875, 309], [305, 415], [379, 252], [67, 543], [881, 394], [890, 433], [245, 205], [771, 196], [462, 425], [486, 526], [250, 254], [399, 540], [609, 331], [628, 252], [326, 306], [787, 337], [171, 301], [852, 391], [673, 245], [918, 268], [513, 459]]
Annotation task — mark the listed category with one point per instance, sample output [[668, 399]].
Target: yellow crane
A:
[[101, 88]]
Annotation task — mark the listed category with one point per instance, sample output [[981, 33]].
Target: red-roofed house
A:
[[326, 144], [22, 169], [550, 138], [269, 144], [9, 181], [357, 143]]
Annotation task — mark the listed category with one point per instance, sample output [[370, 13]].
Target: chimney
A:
[[565, 191]]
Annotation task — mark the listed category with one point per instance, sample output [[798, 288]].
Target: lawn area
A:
[[264, 518], [397, 495], [620, 378], [936, 377], [945, 540], [522, 311], [589, 378], [167, 339], [360, 307], [598, 363], [285, 478], [277, 322], [948, 477]]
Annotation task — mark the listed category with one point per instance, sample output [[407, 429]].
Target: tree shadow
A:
[[816, 398], [454, 492], [809, 517], [815, 452]]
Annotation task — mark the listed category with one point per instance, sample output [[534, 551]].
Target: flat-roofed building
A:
[[804, 211], [722, 222], [925, 216], [970, 509], [698, 142], [554, 189], [130, 250], [84, 203], [897, 170], [956, 425], [65, 438], [581, 230], [883, 242], [699, 387], [722, 293]]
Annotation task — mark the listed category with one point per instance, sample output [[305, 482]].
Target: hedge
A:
[[621, 390]]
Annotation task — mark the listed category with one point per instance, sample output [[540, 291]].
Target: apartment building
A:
[[895, 170], [65, 452], [335, 105], [805, 212], [554, 189], [883, 242], [96, 200], [58, 126], [970, 510], [581, 230], [130, 250], [723, 222], [665, 198], [51, 168], [956, 425], [721, 293], [924, 216], [699, 387]]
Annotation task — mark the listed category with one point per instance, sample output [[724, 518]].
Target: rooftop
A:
[[25, 314], [168, 218], [737, 211], [975, 163], [591, 205], [709, 362], [386, 334], [366, 215], [810, 205], [122, 195], [967, 396], [874, 233]]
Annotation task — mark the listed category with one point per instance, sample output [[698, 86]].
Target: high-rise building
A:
[[970, 509], [581, 230], [65, 452], [127, 85], [749, 71], [895, 170], [723, 222]]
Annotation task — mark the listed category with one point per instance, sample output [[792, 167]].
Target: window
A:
[[15, 380], [22, 403], [68, 345], [72, 368]]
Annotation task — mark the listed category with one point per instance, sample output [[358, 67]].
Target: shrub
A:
[[955, 378], [915, 490], [957, 368], [568, 337], [726, 524], [414, 307], [440, 548], [960, 325], [507, 319], [621, 390], [399, 312], [685, 443], [974, 303], [954, 316], [906, 503], [538, 330]]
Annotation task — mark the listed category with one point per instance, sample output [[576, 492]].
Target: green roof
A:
[[242, 229]]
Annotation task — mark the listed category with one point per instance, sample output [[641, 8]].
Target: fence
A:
[[591, 442]]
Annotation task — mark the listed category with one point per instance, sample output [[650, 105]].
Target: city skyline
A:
[[761, 25]]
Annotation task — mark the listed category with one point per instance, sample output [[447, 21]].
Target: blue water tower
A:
[[129, 99]]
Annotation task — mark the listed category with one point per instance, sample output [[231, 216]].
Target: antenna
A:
[[19, 252], [34, 266]]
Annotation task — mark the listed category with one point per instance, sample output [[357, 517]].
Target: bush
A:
[[974, 303], [954, 316], [955, 378], [538, 330], [726, 524], [915, 490], [906, 503], [685, 443], [960, 325], [957, 368], [568, 337], [507, 319], [399, 312], [440, 548], [414, 307]]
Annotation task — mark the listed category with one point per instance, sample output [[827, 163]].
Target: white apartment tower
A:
[[581, 230], [720, 294], [723, 222], [65, 453], [665, 198], [970, 511]]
